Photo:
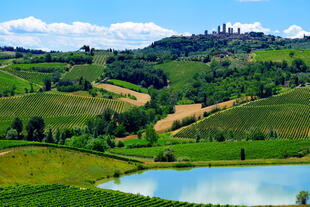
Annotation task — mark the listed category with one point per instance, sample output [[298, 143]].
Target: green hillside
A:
[[288, 115], [280, 55], [181, 73], [34, 77], [89, 72], [56, 66], [56, 165], [128, 85], [58, 110], [8, 81], [211, 151]]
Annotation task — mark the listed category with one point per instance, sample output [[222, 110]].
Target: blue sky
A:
[[170, 16]]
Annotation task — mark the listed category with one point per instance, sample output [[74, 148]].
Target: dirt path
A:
[[142, 98], [5, 152], [184, 111]]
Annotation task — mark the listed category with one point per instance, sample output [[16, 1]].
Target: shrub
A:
[[117, 173], [165, 156]]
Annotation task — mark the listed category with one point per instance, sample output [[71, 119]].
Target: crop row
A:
[[59, 110], [60, 195], [100, 59], [34, 77], [89, 72], [288, 115]]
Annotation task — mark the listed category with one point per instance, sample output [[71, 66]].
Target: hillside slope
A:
[[287, 114], [58, 110]]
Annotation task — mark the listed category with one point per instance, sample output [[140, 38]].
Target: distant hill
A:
[[287, 115]]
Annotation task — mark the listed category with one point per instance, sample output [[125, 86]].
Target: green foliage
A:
[[207, 151], [167, 155], [34, 77], [17, 124], [150, 135], [39, 67], [302, 197], [88, 72], [128, 85], [287, 115], [58, 110], [61, 195], [12, 134], [35, 129]]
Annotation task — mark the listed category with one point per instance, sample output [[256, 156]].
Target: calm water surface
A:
[[263, 185]]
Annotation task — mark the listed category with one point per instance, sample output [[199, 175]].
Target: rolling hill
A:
[[180, 73], [286, 114], [58, 110], [89, 72]]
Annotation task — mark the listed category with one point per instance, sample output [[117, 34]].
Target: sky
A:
[[127, 24]]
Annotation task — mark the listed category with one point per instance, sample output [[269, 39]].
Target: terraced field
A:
[[287, 114], [56, 66], [58, 110], [89, 72], [61, 195], [280, 55]]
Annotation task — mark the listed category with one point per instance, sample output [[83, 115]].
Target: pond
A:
[[261, 185]]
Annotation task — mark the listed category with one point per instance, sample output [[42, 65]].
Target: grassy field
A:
[[128, 85], [38, 165], [58, 110], [181, 73], [89, 72], [7, 81], [34, 77], [287, 114], [61, 195], [280, 55], [226, 150], [57, 66]]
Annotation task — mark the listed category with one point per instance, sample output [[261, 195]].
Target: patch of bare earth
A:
[[184, 111], [142, 98], [4, 153]]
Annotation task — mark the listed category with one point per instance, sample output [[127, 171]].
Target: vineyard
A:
[[9, 81], [89, 72], [58, 110], [211, 151], [33, 77], [61, 195], [100, 59], [286, 114]]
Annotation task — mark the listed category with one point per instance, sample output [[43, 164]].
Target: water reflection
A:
[[272, 185]]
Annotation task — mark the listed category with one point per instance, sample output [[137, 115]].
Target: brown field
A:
[[142, 98], [184, 111]]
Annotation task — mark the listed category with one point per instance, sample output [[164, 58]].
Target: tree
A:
[[47, 84], [11, 134], [48, 58], [302, 197], [17, 124], [167, 155], [151, 135], [57, 135], [49, 138], [242, 154], [35, 129], [291, 54]]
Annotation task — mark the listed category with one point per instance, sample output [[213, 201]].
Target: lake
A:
[[260, 185]]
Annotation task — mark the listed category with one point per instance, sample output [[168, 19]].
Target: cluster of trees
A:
[[224, 80], [21, 50], [73, 85], [135, 70]]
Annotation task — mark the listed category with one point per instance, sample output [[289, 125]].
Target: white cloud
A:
[[35, 33], [255, 27], [295, 31]]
